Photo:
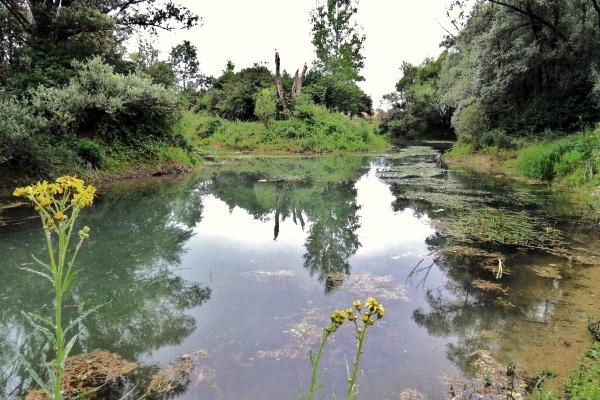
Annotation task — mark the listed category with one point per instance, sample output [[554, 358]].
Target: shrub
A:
[[102, 103], [497, 138], [208, 126], [90, 151], [470, 123], [265, 107]]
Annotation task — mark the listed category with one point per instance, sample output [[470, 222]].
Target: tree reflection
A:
[[332, 238], [327, 208], [138, 237]]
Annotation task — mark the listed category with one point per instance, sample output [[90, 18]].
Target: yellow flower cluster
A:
[[373, 309], [53, 199], [44, 194]]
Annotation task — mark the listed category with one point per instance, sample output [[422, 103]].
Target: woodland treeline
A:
[[508, 69], [72, 96]]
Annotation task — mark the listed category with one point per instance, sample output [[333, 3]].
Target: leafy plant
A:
[[373, 311], [58, 205]]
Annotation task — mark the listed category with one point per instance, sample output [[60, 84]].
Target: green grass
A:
[[313, 130], [574, 159], [582, 384]]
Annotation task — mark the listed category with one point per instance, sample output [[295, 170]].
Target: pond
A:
[[236, 270]]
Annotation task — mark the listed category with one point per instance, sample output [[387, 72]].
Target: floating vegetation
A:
[[546, 272], [86, 372], [172, 378], [304, 335], [488, 286], [491, 226], [379, 286], [266, 275], [412, 394], [492, 380]]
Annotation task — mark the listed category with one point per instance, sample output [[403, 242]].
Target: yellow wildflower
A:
[[357, 304], [372, 305], [365, 318], [338, 317], [22, 191], [43, 200], [350, 313], [59, 216]]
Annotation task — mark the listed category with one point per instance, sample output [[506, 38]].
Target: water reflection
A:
[[138, 237], [244, 262]]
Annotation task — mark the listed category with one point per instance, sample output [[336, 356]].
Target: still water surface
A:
[[240, 268]]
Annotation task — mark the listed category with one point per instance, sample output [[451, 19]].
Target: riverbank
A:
[[577, 375]]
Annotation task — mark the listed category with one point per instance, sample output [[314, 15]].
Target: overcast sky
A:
[[248, 32]]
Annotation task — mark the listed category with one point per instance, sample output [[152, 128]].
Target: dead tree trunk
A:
[[296, 86], [284, 100], [298, 80]]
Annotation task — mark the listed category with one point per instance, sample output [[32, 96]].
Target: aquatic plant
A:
[[58, 205], [373, 311]]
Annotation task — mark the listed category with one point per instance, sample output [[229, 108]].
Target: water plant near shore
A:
[[58, 205], [373, 311]]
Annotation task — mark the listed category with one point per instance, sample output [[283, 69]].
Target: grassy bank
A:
[[568, 163], [311, 129]]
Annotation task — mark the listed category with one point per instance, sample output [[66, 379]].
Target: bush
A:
[[495, 138], [265, 107], [208, 126], [91, 152], [569, 162], [99, 102], [470, 123]]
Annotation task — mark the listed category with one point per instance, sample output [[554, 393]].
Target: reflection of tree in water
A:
[[138, 236], [480, 316], [332, 238], [329, 210], [471, 305]]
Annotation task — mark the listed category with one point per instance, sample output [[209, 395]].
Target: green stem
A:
[[315, 366], [352, 379]]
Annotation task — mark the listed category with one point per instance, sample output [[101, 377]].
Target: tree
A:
[[184, 62], [416, 106], [265, 108], [60, 20], [338, 43], [523, 66]]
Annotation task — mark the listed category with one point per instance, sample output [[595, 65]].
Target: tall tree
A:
[[337, 39], [61, 19], [523, 66], [184, 62]]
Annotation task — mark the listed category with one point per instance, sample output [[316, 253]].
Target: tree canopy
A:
[[337, 39], [518, 66]]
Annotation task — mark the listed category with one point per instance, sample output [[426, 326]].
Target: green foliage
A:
[[529, 67], [265, 107], [233, 95], [310, 128], [416, 107], [584, 382], [14, 128], [208, 126], [183, 60], [91, 152], [337, 39], [495, 138], [101, 103], [573, 157], [336, 94], [470, 123]]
